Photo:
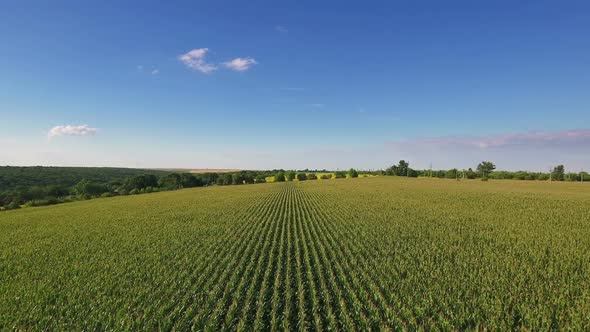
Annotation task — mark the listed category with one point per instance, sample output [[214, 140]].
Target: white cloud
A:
[[281, 28], [155, 72], [195, 59], [240, 64], [69, 130]]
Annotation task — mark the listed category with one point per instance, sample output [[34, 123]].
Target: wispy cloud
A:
[[195, 59], [240, 64], [281, 29], [140, 68], [317, 105], [531, 139], [530, 150], [69, 130], [155, 72]]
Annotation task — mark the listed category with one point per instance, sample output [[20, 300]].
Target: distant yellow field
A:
[[213, 170]]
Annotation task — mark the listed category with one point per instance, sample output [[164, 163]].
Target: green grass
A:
[[348, 254]]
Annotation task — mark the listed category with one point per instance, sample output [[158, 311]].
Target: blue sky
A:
[[295, 84]]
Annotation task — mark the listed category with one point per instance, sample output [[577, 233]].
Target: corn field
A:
[[379, 253]]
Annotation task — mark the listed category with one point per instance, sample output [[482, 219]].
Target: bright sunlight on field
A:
[[347, 254]]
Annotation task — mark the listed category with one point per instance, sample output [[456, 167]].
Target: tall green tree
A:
[[558, 173], [237, 178], [227, 179], [301, 176], [279, 177], [452, 173], [401, 169], [353, 173], [290, 175], [485, 168], [171, 181], [86, 188]]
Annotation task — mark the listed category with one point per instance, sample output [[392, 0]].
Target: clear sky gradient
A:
[[295, 84]]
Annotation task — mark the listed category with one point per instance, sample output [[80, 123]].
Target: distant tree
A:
[[440, 174], [208, 178], [453, 173], [401, 169], [470, 174], [353, 173], [57, 191], [290, 175], [227, 179], [312, 176], [260, 178], [391, 170], [572, 177], [325, 176], [188, 180], [301, 176], [412, 173], [249, 179], [279, 177], [86, 189], [558, 173], [140, 181], [339, 175], [485, 168], [237, 178], [170, 181]]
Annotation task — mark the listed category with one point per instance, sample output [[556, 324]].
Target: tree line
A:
[[286, 176], [484, 171], [61, 189], [39, 186], [87, 188]]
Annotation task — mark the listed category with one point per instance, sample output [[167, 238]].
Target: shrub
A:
[[312, 176], [279, 177], [12, 206], [43, 202], [339, 175], [301, 176], [289, 176]]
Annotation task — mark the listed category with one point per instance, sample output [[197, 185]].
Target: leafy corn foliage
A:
[[350, 254]]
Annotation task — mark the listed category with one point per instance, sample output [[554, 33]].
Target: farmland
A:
[[347, 254]]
